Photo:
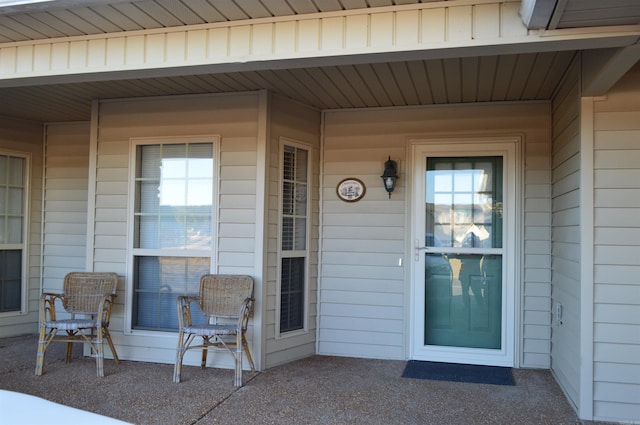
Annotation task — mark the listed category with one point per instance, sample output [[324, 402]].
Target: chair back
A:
[[223, 295], [83, 291]]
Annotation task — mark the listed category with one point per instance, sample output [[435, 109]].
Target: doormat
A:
[[456, 372]]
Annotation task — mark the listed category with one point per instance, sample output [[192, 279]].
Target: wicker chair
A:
[[87, 297], [226, 301]]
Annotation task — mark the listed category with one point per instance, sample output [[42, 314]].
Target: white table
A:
[[17, 409]]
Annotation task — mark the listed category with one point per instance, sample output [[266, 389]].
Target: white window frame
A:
[[132, 252], [24, 246], [293, 254]]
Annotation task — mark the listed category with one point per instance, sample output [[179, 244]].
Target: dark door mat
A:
[[456, 372]]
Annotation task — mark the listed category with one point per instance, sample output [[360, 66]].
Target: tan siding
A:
[[26, 137], [566, 231], [298, 123], [361, 281], [617, 252], [66, 194], [234, 119]]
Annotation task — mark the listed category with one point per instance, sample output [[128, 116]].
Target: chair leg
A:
[[69, 351], [205, 344], [237, 354], [177, 368], [42, 345], [107, 336], [245, 345], [237, 378], [99, 354]]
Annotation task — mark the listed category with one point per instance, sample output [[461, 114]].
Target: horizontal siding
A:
[[565, 251], [363, 290], [617, 252], [26, 137], [233, 119], [302, 124], [66, 195]]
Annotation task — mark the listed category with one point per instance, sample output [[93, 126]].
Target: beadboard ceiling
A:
[[530, 76], [490, 78]]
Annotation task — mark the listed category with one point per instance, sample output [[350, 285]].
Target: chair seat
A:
[[71, 324], [210, 330]]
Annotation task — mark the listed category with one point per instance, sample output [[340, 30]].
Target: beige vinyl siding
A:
[[364, 306], [565, 248], [26, 137], [234, 119], [617, 252], [66, 194], [297, 123]]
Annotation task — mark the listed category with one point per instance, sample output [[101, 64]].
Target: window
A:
[[13, 196], [294, 238], [172, 228]]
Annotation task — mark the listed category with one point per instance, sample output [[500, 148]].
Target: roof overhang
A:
[[536, 14]]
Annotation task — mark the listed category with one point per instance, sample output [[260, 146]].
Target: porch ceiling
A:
[[516, 77]]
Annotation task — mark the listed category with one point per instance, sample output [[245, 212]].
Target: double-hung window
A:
[[172, 226], [13, 207], [294, 237]]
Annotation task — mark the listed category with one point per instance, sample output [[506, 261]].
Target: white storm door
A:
[[464, 252]]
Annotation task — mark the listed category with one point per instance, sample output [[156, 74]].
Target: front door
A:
[[464, 248]]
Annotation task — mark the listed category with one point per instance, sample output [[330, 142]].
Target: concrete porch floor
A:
[[316, 390]]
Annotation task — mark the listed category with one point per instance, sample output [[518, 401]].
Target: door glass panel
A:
[[463, 305], [463, 290], [464, 202]]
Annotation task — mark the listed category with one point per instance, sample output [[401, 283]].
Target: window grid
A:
[[294, 199], [467, 196]]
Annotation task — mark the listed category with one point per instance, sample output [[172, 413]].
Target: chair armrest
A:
[[184, 310], [48, 306], [245, 313]]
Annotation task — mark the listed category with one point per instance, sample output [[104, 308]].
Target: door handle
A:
[[419, 248]]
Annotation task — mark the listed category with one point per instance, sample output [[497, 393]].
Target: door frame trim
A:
[[511, 147]]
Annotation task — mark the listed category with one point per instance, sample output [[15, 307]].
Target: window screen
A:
[[292, 294]]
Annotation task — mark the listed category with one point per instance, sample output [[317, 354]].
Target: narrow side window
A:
[[294, 225]]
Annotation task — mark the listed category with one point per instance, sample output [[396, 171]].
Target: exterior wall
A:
[[235, 119], [26, 137], [364, 302], [566, 260], [616, 308], [65, 207], [302, 124]]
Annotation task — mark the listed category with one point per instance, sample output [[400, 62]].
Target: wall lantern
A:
[[390, 175]]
